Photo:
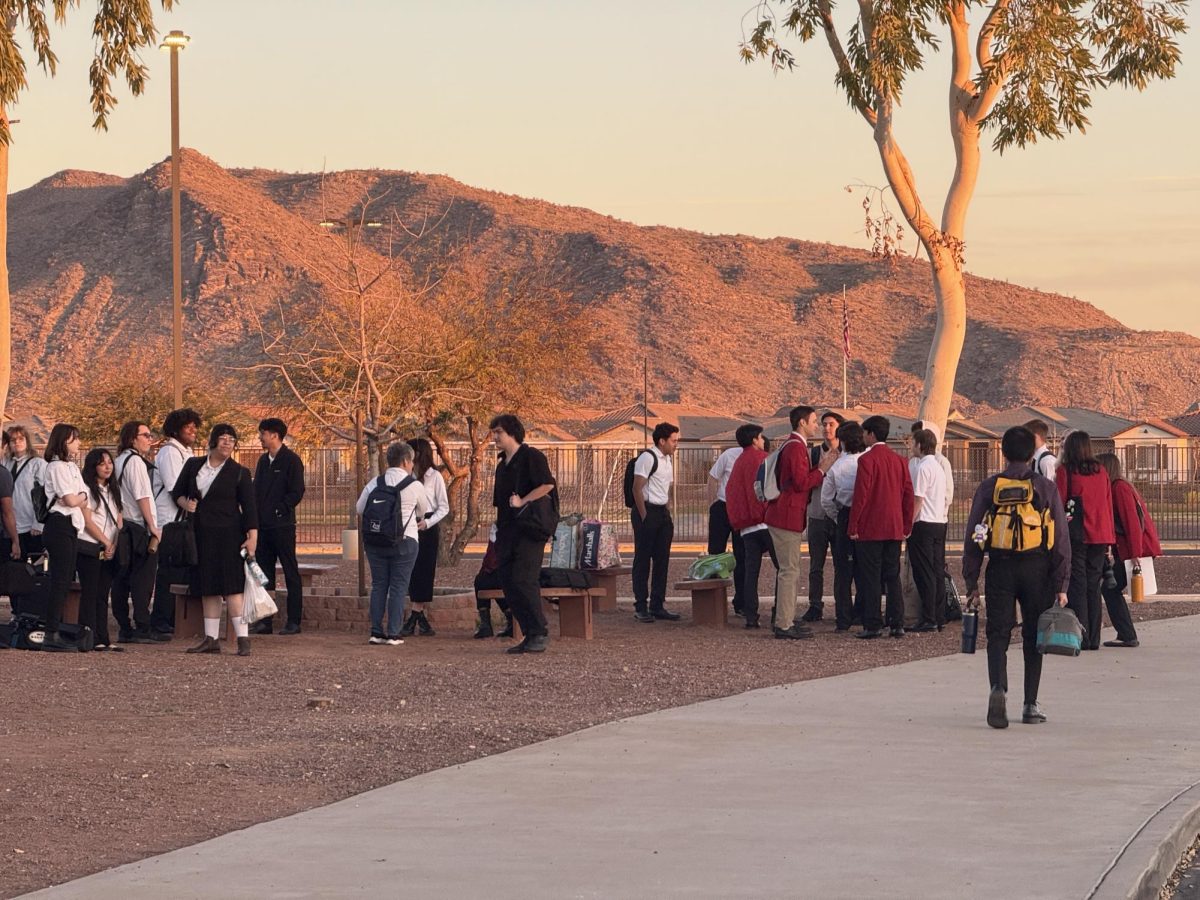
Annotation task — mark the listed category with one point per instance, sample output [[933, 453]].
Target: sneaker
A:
[[394, 641], [376, 639]]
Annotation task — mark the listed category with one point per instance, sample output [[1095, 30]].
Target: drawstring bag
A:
[[1059, 632], [719, 565]]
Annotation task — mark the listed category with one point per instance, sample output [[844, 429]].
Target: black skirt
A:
[[420, 585], [219, 570]]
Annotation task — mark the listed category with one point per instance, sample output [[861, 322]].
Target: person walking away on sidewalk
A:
[[653, 529], [837, 494], [1137, 538], [1029, 574], [821, 529], [881, 515], [420, 586], [748, 515], [787, 515], [97, 547], [523, 477], [1082, 482], [927, 543], [719, 528], [278, 490]]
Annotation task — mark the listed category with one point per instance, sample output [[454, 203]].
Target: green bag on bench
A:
[[719, 565]]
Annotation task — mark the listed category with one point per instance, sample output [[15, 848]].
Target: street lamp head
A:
[[175, 40]]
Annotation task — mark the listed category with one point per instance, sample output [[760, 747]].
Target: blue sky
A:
[[642, 110]]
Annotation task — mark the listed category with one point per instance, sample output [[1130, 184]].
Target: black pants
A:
[[420, 586], [843, 570], [61, 545], [31, 545], [95, 580], [651, 548], [489, 581], [520, 567], [279, 545], [136, 582], [876, 567], [821, 533], [927, 551], [719, 534], [1008, 581], [754, 545], [1083, 592], [1118, 609], [162, 616]]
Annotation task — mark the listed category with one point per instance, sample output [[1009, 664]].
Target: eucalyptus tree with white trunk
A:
[[1029, 71], [121, 29]]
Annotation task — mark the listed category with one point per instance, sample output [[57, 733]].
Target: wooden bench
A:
[[710, 600], [308, 572], [604, 594], [189, 615], [574, 610]]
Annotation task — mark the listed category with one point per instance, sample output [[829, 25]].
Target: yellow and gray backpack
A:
[[1014, 523]]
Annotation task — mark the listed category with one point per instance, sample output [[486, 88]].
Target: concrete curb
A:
[[1144, 866]]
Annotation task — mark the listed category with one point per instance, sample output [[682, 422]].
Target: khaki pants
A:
[[787, 551]]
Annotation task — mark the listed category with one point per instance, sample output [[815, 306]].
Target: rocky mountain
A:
[[727, 321]]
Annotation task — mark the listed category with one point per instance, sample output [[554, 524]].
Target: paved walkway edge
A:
[[1147, 862]]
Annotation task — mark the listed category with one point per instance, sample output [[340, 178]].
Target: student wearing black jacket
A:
[[278, 490]]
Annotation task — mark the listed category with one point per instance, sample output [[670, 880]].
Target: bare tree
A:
[[1029, 72]]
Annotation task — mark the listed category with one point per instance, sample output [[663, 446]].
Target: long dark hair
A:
[[1077, 454], [422, 457], [1112, 465], [56, 447], [90, 462]]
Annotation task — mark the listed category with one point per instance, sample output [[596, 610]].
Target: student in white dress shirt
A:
[[420, 583], [136, 581], [837, 493], [179, 428], [27, 470], [719, 529], [102, 523], [927, 543], [68, 496], [653, 529]]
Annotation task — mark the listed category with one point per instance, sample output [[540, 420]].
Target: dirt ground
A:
[[109, 758]]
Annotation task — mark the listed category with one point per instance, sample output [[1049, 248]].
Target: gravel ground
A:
[[110, 758]]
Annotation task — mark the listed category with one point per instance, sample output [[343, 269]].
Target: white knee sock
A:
[[240, 628], [212, 628]]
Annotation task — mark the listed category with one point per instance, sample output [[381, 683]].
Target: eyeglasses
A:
[[146, 434]]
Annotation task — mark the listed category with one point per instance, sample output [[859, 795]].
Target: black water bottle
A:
[[970, 628]]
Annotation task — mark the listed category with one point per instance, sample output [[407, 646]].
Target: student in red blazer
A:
[[881, 516], [748, 518], [1136, 538], [787, 515], [1081, 476]]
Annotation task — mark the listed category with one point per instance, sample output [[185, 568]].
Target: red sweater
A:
[[1095, 491], [882, 509], [1136, 536], [742, 506], [797, 478]]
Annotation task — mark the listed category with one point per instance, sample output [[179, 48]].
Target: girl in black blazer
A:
[[221, 495]]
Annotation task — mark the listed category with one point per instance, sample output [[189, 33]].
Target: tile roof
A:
[[1061, 419], [1189, 424]]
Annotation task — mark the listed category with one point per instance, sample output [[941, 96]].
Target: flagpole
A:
[[845, 348]]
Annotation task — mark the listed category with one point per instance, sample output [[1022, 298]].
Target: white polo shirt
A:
[[723, 468], [929, 483], [658, 485]]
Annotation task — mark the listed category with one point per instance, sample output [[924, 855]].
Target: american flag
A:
[[845, 326]]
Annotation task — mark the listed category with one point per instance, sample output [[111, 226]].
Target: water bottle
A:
[[970, 629], [255, 568], [1137, 585]]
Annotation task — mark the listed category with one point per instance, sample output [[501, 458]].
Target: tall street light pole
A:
[[174, 42], [352, 535]]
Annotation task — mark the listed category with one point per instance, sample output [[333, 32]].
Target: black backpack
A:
[[381, 525], [629, 501], [41, 502]]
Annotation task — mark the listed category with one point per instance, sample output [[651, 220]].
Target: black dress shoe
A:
[[261, 627], [124, 637], [537, 644], [665, 614], [870, 635], [160, 637], [814, 614], [642, 615], [141, 637], [923, 628], [792, 634], [1032, 714], [997, 715], [752, 623], [290, 628], [841, 629], [518, 648], [1132, 643], [896, 632]]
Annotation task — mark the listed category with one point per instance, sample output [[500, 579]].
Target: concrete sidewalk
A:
[[885, 783]]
